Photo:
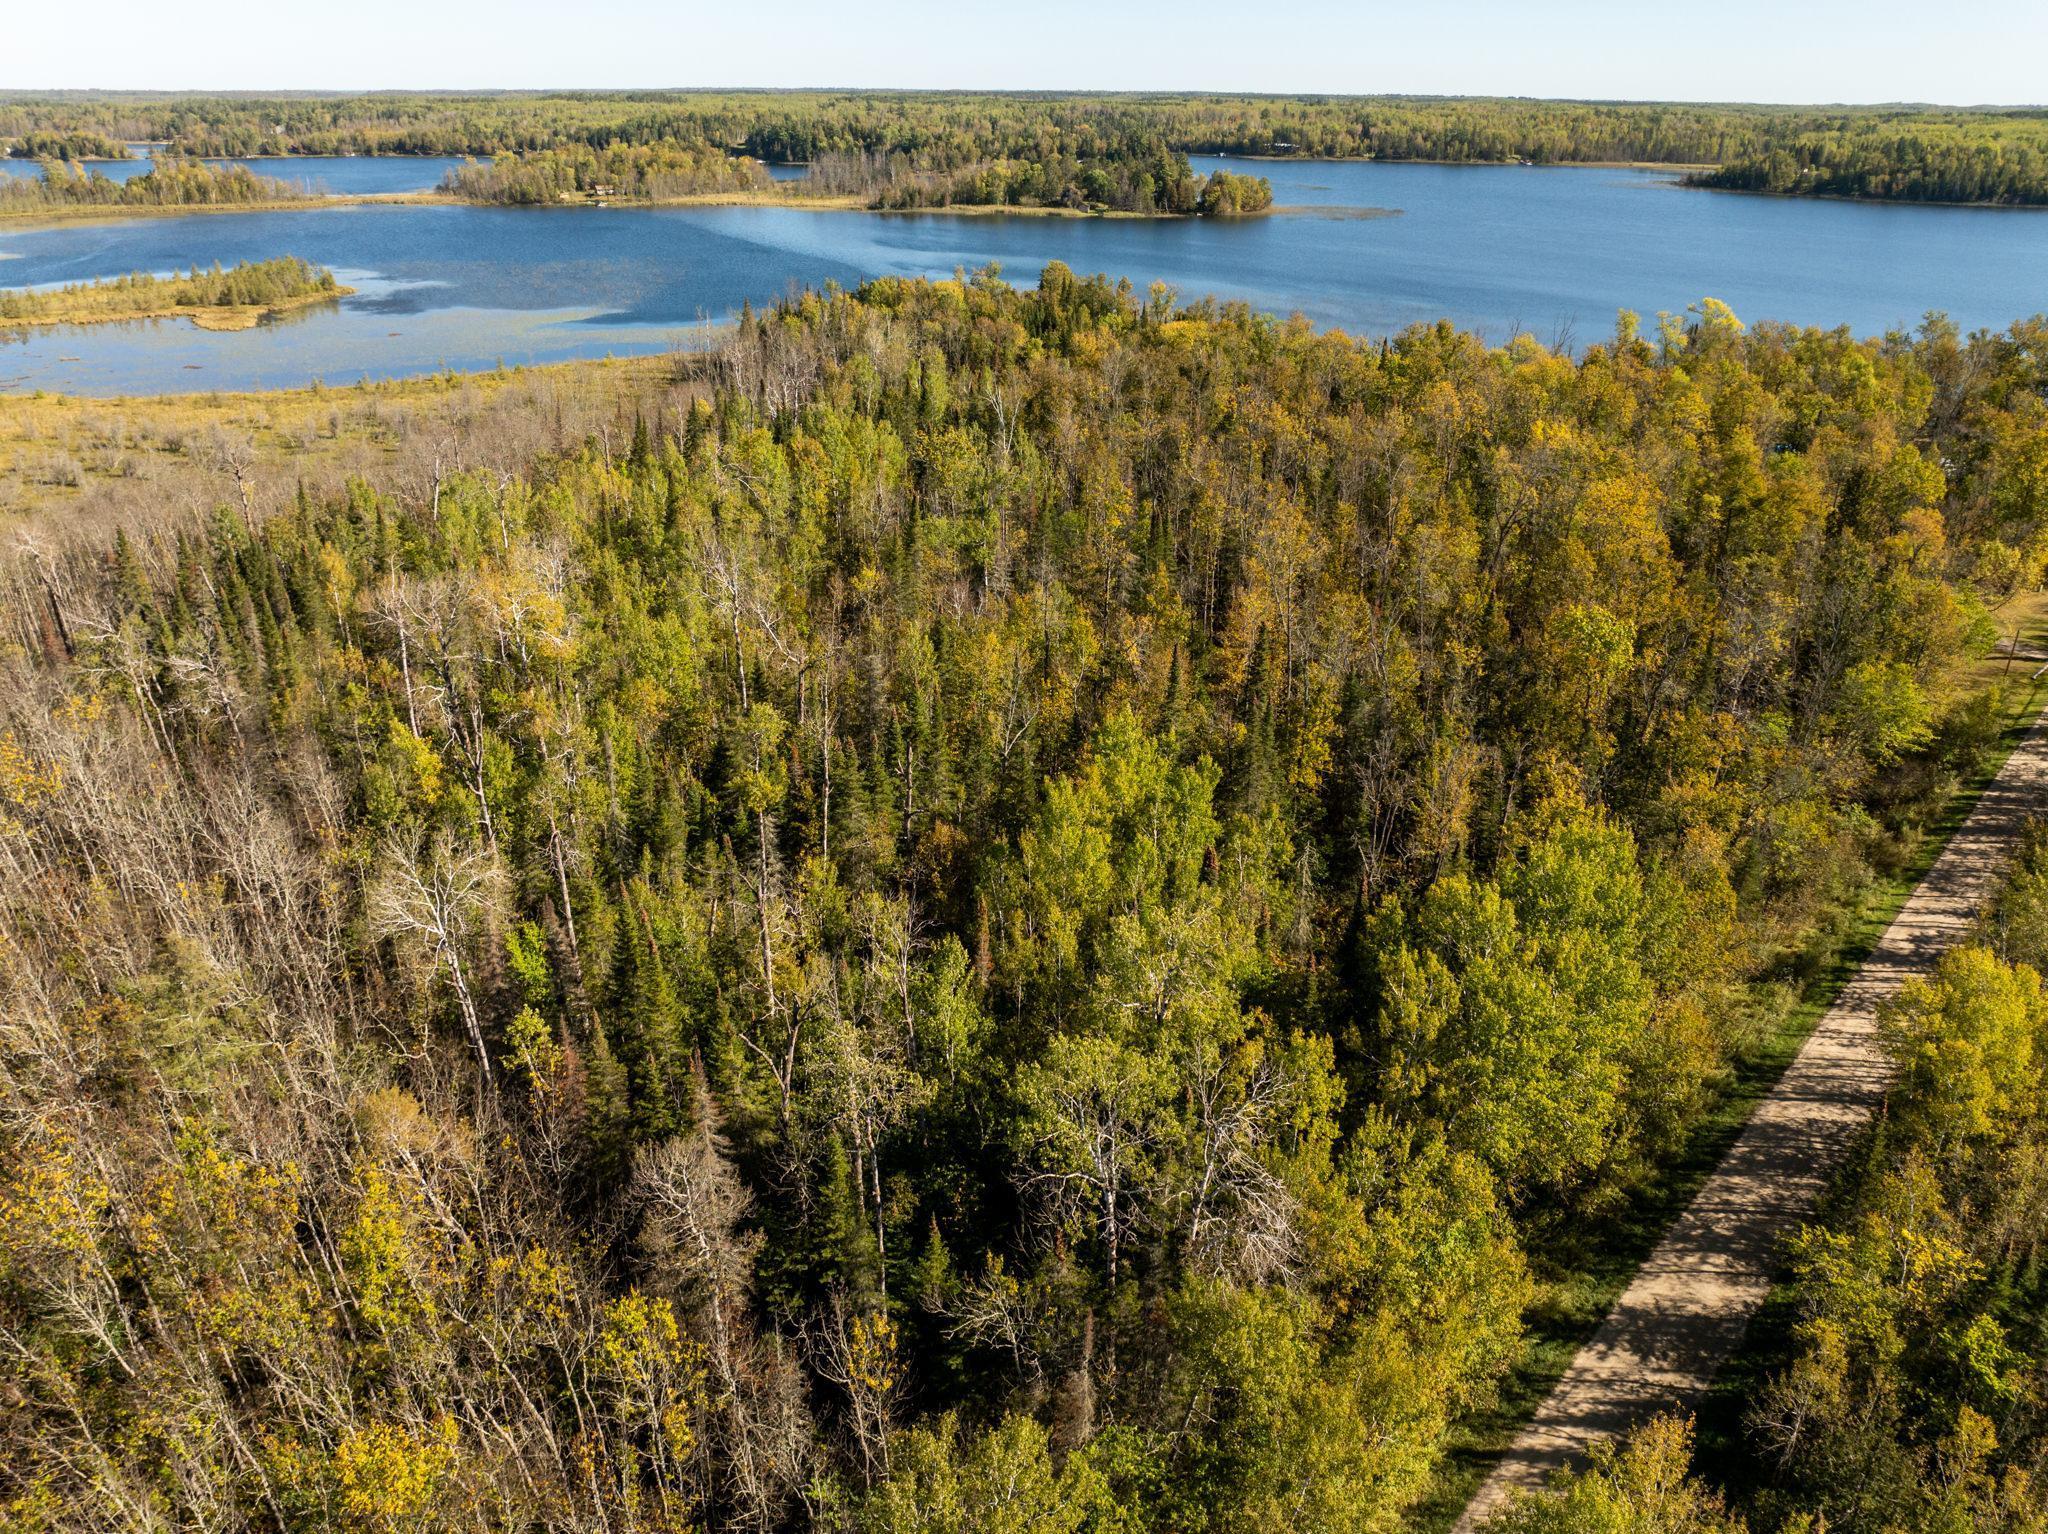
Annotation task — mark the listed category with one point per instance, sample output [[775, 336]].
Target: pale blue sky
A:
[[1787, 50]]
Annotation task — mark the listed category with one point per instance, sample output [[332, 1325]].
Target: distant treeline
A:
[[171, 184], [1890, 162], [931, 139], [251, 284]]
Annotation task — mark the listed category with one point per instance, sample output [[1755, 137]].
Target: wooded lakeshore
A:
[[990, 908]]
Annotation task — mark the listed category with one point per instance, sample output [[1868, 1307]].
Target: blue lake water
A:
[[1500, 249]]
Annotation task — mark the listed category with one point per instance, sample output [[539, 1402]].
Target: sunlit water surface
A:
[[1368, 247]]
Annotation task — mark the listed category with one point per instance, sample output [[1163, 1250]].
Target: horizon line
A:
[[8, 92]]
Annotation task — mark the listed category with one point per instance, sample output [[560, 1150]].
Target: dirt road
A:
[[1687, 1308]]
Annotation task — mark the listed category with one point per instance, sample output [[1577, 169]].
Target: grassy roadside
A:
[[1588, 1274]]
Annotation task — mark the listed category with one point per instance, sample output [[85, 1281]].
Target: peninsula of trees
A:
[[1142, 178], [66, 147], [235, 299], [169, 183], [1891, 161], [989, 910]]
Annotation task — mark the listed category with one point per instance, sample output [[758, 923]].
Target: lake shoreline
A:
[[1682, 175], [31, 218], [1866, 202], [52, 218], [1381, 159], [1556, 256]]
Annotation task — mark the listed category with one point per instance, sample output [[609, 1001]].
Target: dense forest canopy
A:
[[1911, 152], [999, 909]]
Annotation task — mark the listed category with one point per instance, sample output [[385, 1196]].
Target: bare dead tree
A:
[[435, 897], [696, 1228]]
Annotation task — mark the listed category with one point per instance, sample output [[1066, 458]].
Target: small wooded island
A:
[[238, 298], [1140, 178]]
